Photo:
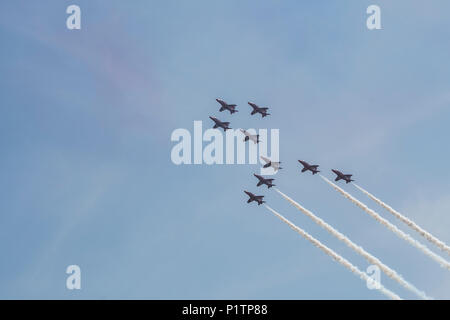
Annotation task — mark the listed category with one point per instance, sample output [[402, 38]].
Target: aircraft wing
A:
[[265, 159]]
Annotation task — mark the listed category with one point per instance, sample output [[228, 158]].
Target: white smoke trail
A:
[[370, 258], [334, 255], [444, 263], [440, 244]]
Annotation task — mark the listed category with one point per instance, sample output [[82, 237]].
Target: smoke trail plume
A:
[[440, 244], [444, 263], [370, 258], [334, 255]]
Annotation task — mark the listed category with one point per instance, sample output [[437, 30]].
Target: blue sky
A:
[[85, 136]]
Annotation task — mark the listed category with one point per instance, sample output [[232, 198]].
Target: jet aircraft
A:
[[310, 167], [270, 163], [257, 109], [262, 180], [218, 123], [252, 197], [226, 106], [341, 176], [248, 136]]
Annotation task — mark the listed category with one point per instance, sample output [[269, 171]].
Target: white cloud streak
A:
[[370, 258], [444, 263], [334, 255], [440, 244]]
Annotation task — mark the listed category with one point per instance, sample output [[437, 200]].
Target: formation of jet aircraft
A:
[[269, 163], [276, 165], [232, 109]]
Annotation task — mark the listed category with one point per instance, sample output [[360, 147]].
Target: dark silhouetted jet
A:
[[256, 109], [270, 163], [248, 136], [307, 166], [258, 199], [341, 176], [267, 182], [226, 106], [218, 123]]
